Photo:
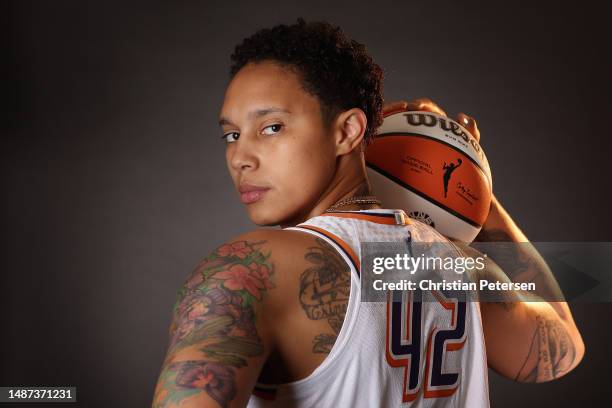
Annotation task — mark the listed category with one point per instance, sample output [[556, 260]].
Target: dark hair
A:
[[337, 70]]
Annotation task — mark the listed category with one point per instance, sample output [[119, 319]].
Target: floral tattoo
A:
[[214, 314]]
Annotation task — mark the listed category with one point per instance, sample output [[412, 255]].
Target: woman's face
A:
[[280, 154]]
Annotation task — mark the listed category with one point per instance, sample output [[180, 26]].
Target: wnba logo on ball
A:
[[448, 170]]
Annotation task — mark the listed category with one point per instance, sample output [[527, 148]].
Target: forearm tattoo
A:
[[521, 262], [324, 291], [214, 321], [507, 254], [551, 354]]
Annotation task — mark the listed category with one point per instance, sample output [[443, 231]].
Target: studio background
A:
[[114, 182]]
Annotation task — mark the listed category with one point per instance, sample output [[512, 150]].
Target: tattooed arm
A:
[[532, 341], [218, 336]]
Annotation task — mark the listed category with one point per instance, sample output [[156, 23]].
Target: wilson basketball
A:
[[432, 167]]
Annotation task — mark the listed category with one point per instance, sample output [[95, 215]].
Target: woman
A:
[[273, 318]]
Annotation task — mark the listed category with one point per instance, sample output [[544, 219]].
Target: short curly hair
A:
[[337, 70]]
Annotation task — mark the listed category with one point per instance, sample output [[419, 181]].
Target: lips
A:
[[250, 193]]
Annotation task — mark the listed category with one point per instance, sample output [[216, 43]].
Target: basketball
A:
[[434, 169]]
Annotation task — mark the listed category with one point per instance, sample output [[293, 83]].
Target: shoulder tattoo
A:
[[214, 324]]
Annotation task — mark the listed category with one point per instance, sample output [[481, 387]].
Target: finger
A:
[[469, 123], [425, 104], [394, 107]]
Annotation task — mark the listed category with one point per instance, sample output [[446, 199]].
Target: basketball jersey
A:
[[400, 353]]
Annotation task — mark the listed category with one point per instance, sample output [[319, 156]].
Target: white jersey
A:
[[392, 354]]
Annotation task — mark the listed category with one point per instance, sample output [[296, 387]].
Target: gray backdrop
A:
[[114, 182]]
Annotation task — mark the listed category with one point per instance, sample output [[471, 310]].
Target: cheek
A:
[[303, 171]]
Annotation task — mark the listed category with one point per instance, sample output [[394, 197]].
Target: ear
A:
[[350, 128]]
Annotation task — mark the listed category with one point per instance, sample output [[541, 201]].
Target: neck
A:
[[349, 181]]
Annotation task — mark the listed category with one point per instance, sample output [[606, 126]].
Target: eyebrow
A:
[[258, 113]]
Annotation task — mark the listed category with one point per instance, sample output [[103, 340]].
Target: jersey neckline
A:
[[386, 216]]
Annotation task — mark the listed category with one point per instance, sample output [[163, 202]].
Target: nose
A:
[[242, 155]]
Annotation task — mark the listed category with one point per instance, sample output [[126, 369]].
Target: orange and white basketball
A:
[[434, 169]]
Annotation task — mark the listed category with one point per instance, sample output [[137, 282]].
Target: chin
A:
[[267, 216], [264, 218]]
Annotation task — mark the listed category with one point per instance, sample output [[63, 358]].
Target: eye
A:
[[231, 137], [273, 129]]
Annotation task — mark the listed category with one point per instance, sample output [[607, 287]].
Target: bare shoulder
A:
[[265, 294], [285, 242], [266, 267], [286, 250], [277, 260], [308, 305], [226, 317]]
